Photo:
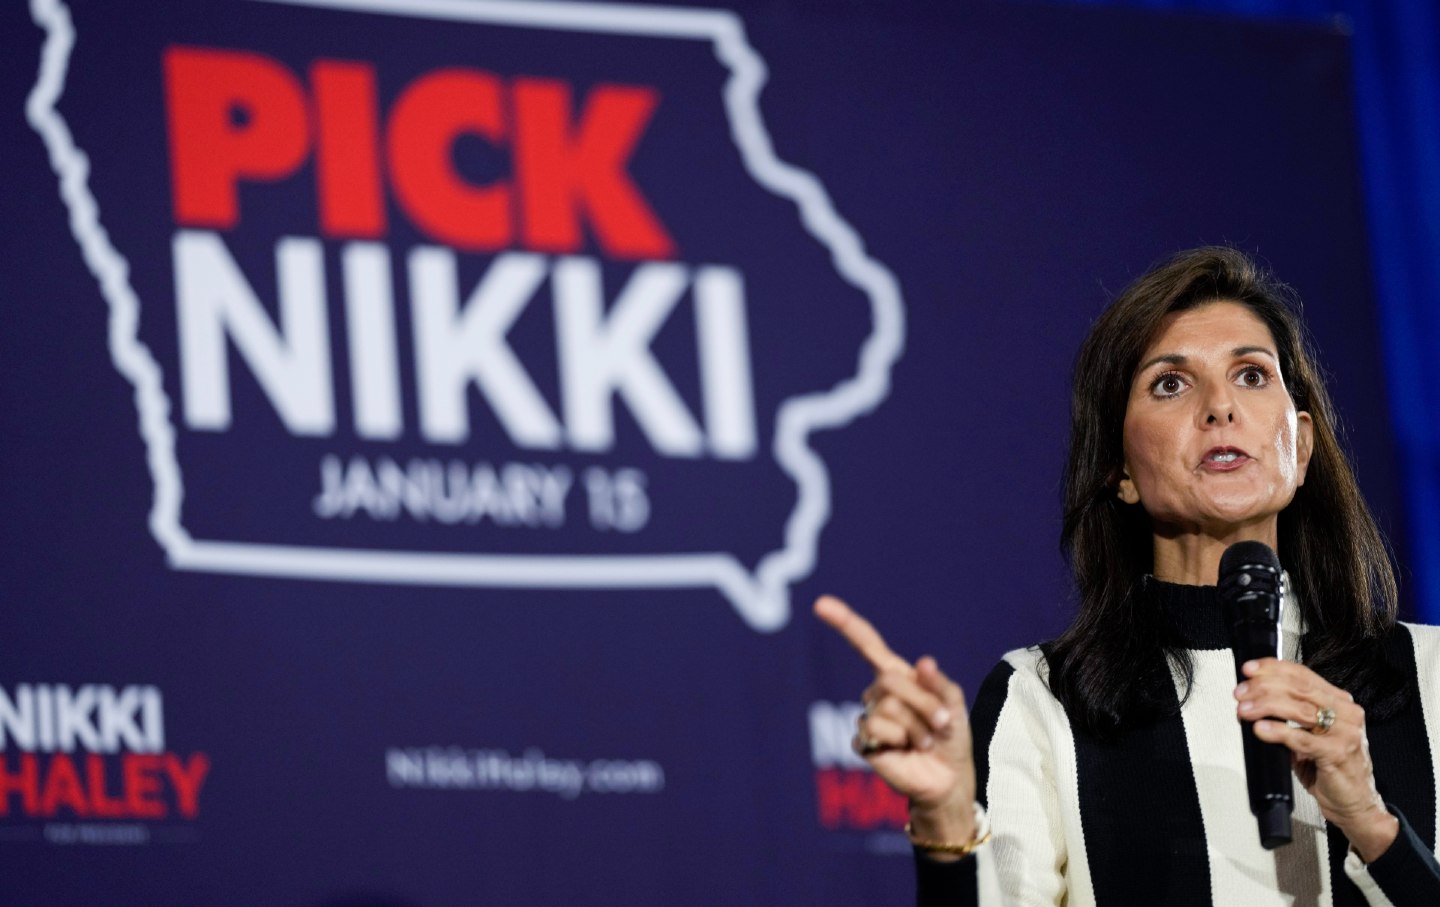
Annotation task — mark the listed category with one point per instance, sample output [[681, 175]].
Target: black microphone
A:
[[1252, 591]]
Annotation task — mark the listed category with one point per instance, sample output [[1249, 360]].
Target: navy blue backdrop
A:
[[427, 427]]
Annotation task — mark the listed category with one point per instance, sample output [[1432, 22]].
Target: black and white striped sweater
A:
[[1161, 816]]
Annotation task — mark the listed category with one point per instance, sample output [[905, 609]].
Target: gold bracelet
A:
[[959, 850]]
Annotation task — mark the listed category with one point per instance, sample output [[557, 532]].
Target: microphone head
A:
[[1244, 554], [1251, 587]]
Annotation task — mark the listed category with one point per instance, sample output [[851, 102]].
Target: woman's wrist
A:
[[951, 822], [1373, 834]]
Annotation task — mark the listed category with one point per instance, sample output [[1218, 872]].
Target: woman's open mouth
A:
[[1224, 459]]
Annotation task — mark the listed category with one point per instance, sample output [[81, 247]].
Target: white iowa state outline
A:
[[762, 599]]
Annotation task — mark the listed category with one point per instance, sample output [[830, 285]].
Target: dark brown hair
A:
[[1338, 564]]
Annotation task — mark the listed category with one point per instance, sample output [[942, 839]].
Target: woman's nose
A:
[[1219, 407]]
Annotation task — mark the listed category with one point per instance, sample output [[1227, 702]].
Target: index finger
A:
[[1301, 678], [859, 633]]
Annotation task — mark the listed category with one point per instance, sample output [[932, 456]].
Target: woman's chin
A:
[[1239, 518], [1245, 518]]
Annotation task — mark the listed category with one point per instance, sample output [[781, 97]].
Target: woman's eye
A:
[[1168, 385], [1254, 377]]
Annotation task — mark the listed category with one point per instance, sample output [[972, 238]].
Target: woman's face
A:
[[1212, 439]]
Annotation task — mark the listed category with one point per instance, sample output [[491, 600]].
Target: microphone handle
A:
[[1267, 765]]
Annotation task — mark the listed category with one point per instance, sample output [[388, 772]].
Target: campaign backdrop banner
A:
[[427, 422]]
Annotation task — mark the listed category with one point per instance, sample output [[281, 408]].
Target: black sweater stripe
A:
[[1343, 892], [1140, 814]]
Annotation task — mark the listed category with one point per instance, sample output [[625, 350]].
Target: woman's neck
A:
[[1193, 557]]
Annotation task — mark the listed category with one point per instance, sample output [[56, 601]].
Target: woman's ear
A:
[[1125, 489], [1304, 445]]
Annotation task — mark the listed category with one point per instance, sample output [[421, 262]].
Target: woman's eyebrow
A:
[[1247, 350], [1178, 359], [1171, 358]]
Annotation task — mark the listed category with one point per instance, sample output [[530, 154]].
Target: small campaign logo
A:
[[848, 795], [71, 755], [526, 299]]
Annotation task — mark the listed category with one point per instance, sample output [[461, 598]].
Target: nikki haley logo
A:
[[529, 301], [93, 751], [849, 796]]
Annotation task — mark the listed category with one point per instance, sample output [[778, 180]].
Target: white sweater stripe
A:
[[1241, 870], [1031, 842], [1427, 670]]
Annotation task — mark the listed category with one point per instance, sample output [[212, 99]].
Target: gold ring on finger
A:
[[1324, 721], [865, 745]]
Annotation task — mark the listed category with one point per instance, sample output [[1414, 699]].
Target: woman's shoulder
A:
[[1022, 675], [1016, 694], [1427, 632], [1025, 665], [1029, 660], [1425, 643]]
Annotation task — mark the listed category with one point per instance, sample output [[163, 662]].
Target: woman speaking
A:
[[1107, 766]]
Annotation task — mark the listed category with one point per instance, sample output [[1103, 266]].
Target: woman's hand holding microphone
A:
[[914, 732]]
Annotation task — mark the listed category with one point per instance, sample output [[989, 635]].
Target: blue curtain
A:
[[1397, 101]]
